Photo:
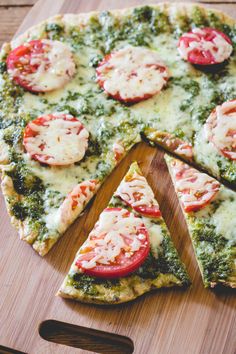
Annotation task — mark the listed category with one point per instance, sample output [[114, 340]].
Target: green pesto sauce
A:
[[167, 263], [215, 254], [90, 104]]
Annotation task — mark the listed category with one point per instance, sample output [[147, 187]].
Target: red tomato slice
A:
[[174, 144], [116, 247], [220, 129], [76, 200], [41, 65], [136, 193], [80, 193], [205, 46], [151, 211], [195, 189], [118, 150], [132, 74], [56, 139]]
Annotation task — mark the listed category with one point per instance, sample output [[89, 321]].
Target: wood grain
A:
[[166, 321], [86, 338], [70, 6], [15, 3], [11, 18]]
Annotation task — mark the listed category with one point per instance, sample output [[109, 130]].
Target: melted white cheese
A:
[[156, 111], [60, 141], [199, 186], [205, 152], [185, 150], [75, 202], [55, 67], [52, 220], [160, 114], [72, 206], [156, 238], [220, 127], [219, 48], [224, 219], [132, 72], [136, 191], [63, 178], [118, 150], [113, 233]]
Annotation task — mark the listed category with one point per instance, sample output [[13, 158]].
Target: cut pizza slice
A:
[[60, 171], [129, 251], [210, 213]]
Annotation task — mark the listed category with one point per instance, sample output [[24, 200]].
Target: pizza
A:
[[79, 90], [128, 252], [209, 210]]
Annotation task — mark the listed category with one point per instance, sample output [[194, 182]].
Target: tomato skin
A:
[[199, 55], [194, 208], [75, 196], [150, 211], [174, 144], [41, 65], [118, 150], [123, 265], [44, 121], [117, 96], [35, 46], [75, 202], [113, 271], [136, 193], [230, 155], [213, 126], [201, 187]]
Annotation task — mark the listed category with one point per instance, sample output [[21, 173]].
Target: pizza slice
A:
[[210, 213], [128, 252], [77, 91], [44, 204]]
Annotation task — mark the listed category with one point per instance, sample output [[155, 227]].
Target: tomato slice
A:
[[56, 139], [151, 211], [135, 192], [116, 247], [205, 46], [76, 200], [41, 65], [220, 129], [118, 150], [195, 189], [174, 144], [132, 74]]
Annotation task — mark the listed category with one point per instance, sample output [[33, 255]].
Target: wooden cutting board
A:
[[171, 321]]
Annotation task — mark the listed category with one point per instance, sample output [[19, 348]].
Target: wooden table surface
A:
[[196, 321], [12, 13]]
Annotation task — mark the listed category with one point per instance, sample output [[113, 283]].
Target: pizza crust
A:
[[81, 20], [9, 193], [132, 287], [4, 154], [174, 10]]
